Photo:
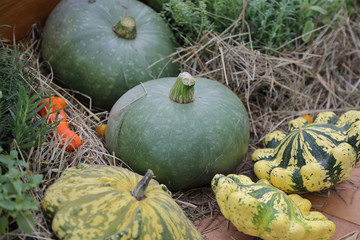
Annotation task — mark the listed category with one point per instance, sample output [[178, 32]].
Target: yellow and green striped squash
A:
[[261, 210], [99, 202], [310, 157]]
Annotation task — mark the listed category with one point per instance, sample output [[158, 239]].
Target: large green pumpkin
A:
[[185, 138], [310, 157], [92, 51], [104, 202]]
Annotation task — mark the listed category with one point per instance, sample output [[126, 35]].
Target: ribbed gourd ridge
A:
[[259, 209], [310, 157], [95, 202]]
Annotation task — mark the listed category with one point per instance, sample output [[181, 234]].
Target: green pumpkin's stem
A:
[[183, 89], [139, 191], [126, 28]]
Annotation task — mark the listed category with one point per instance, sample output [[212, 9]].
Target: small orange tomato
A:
[[101, 129], [308, 118]]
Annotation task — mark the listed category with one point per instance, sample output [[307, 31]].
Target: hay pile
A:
[[323, 76]]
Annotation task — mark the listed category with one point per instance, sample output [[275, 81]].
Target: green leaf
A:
[[22, 163], [28, 204], [25, 222], [13, 173], [13, 154], [17, 186], [7, 205], [6, 160], [306, 32], [8, 188], [35, 180], [318, 9], [3, 224]]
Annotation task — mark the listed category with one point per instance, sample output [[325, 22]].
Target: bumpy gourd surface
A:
[[310, 157], [185, 145], [88, 56], [94, 202], [261, 210]]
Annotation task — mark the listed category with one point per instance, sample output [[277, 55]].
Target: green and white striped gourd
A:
[[106, 202], [310, 157], [261, 210]]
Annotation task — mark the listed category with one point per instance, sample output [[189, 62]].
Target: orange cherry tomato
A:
[[101, 129], [308, 118]]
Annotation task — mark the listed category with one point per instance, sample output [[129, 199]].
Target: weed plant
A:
[[21, 130], [269, 24]]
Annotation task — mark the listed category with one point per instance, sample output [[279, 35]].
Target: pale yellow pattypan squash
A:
[[261, 210]]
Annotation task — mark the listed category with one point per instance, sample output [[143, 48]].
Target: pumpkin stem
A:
[[139, 191], [183, 89], [126, 28]]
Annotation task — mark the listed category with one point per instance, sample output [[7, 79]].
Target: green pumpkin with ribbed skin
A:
[[185, 144], [99, 202], [261, 210], [310, 157], [88, 56]]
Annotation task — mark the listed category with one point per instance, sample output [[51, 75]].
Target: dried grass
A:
[[321, 77], [324, 76]]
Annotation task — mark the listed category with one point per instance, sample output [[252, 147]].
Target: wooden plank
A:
[[343, 227], [343, 203], [22, 14], [219, 228]]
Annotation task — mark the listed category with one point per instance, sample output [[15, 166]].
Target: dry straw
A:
[[323, 76], [276, 88]]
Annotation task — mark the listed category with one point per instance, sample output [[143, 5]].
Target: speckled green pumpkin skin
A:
[[184, 144], [94, 202], [88, 56]]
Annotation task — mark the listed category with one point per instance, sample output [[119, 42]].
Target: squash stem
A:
[[139, 191], [126, 28], [183, 89]]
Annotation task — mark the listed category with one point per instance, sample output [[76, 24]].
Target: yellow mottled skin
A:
[[281, 178], [297, 123], [259, 209], [349, 117], [303, 203], [324, 117], [313, 175], [276, 135], [353, 133], [94, 202], [311, 156]]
